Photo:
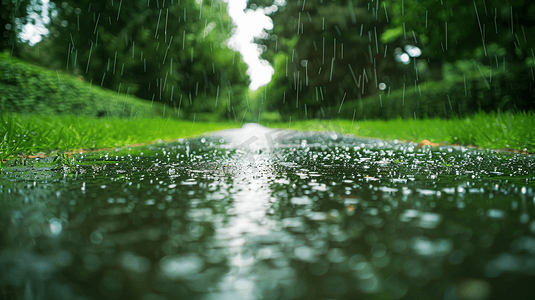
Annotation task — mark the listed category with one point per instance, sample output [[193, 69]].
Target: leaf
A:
[[391, 35]]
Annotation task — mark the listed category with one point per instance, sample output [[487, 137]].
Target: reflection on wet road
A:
[[257, 213]]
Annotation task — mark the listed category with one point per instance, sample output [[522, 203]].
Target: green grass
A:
[[486, 130], [30, 134], [33, 94]]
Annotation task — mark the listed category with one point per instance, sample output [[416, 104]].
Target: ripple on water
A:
[[181, 266], [312, 223], [305, 253], [425, 247], [429, 220], [496, 213], [303, 200], [135, 263]]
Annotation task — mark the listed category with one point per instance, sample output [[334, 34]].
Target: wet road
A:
[[256, 213]]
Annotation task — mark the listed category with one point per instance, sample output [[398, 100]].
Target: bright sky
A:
[[32, 33], [251, 24]]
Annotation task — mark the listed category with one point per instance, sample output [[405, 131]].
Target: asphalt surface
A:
[[257, 213]]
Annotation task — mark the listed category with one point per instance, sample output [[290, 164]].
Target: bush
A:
[[31, 89], [506, 90]]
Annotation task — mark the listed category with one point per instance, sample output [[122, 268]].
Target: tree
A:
[[490, 31], [168, 51], [13, 16], [328, 53]]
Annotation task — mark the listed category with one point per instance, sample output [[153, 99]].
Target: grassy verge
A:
[[486, 130], [30, 134]]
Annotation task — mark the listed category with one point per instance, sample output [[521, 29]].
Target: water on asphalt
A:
[[256, 213]]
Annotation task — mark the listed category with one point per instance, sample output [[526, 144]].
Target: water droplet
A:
[[96, 237], [182, 266], [55, 226], [496, 213]]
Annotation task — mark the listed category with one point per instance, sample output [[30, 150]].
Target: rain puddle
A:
[[257, 213]]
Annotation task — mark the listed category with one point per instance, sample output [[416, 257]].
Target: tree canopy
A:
[[453, 30], [169, 51], [13, 16], [330, 51], [325, 52]]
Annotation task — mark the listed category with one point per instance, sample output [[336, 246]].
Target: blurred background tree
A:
[[328, 53], [332, 58], [482, 50], [13, 16], [491, 32], [168, 51]]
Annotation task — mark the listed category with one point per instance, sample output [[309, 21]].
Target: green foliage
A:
[[13, 15], [458, 29], [329, 52], [314, 79], [31, 89], [172, 52], [65, 161], [463, 96], [391, 34]]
